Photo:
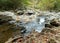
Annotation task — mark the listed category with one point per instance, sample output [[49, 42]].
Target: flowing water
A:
[[37, 23]]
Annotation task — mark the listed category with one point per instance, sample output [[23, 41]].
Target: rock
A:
[[30, 12], [22, 29], [55, 22], [7, 13], [5, 19], [48, 25], [20, 12]]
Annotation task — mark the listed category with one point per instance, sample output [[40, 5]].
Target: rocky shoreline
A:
[[14, 28]]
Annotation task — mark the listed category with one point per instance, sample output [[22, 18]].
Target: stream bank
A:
[[28, 20]]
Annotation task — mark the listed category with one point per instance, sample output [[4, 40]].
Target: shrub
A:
[[9, 4]]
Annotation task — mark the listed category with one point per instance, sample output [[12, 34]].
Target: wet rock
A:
[[30, 12], [5, 19], [7, 13], [55, 22], [48, 25], [20, 12], [22, 29]]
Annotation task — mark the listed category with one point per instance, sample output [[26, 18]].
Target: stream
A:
[[35, 21]]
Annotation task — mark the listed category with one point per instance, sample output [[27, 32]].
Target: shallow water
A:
[[37, 23]]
